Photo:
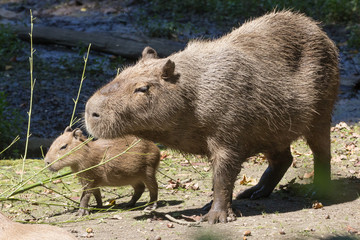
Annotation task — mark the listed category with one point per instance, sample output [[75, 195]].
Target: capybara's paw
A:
[[82, 212], [219, 216], [151, 207]]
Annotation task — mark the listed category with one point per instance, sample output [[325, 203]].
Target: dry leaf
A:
[[308, 175], [351, 230], [317, 205], [247, 233], [163, 156], [244, 180]]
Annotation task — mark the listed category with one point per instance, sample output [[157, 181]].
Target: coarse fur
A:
[[137, 167], [10, 230], [256, 89]]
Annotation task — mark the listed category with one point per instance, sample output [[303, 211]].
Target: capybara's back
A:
[[256, 89]]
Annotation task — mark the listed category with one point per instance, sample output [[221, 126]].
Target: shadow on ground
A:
[[290, 199]]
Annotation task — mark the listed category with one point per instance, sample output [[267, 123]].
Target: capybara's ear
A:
[[148, 53], [77, 133], [68, 129], [168, 70]]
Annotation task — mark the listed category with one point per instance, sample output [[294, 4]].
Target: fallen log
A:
[[124, 45]]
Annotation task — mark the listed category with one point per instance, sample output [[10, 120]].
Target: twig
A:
[[80, 86], [32, 84], [14, 141], [203, 176], [178, 221]]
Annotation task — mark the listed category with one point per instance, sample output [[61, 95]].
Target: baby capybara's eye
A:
[[63, 147]]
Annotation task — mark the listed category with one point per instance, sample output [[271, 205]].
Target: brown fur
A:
[[256, 89], [136, 167], [10, 230]]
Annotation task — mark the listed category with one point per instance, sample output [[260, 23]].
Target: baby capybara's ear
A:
[[148, 53], [68, 129], [77, 133]]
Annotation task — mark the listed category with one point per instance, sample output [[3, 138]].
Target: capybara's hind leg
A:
[[319, 143], [279, 162], [138, 191]]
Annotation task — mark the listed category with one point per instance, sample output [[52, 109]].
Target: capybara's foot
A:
[[151, 207], [222, 216], [255, 192], [82, 212]]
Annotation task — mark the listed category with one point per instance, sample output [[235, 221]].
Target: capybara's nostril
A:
[[95, 115]]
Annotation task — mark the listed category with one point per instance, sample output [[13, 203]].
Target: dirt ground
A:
[[291, 211]]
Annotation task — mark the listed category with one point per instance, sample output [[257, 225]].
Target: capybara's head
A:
[[61, 147], [144, 96]]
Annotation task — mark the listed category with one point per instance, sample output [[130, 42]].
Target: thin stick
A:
[[81, 82], [203, 176], [14, 141], [21, 184], [63, 195], [32, 84]]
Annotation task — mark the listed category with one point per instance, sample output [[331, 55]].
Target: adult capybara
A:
[[256, 89], [137, 167], [10, 230]]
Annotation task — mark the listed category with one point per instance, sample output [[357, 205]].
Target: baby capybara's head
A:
[[144, 96], [61, 148]]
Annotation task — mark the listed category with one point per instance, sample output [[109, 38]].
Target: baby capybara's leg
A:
[[152, 185], [138, 191], [84, 203], [279, 162], [97, 195]]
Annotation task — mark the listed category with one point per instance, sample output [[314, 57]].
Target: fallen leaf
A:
[[163, 156], [247, 233], [351, 230], [317, 205], [244, 180], [308, 175]]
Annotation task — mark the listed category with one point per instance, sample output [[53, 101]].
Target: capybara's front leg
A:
[[221, 210], [223, 184]]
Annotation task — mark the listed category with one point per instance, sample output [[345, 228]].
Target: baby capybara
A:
[[137, 167], [256, 89]]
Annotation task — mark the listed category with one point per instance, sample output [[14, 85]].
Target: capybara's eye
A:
[[63, 147], [142, 89]]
